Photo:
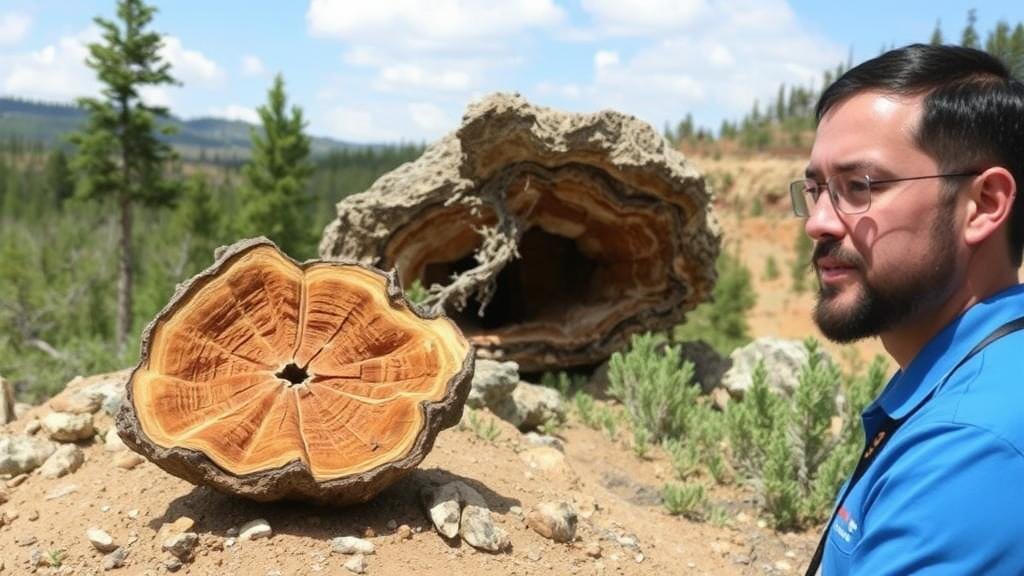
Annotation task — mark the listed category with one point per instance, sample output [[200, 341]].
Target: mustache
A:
[[832, 249]]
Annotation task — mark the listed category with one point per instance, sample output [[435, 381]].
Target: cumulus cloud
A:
[[236, 112], [54, 72], [13, 27], [189, 66], [644, 16], [358, 125], [252, 66], [430, 118], [721, 54], [428, 25]]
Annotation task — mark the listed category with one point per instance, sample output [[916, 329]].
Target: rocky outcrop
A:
[[782, 359]]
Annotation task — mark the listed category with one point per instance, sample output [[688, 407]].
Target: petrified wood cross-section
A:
[[550, 237], [271, 380]]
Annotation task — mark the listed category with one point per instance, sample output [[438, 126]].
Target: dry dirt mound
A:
[[622, 529]]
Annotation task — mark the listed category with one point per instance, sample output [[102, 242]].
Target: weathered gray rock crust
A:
[[566, 232], [782, 361]]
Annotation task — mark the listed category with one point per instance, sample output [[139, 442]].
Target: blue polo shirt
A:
[[945, 494]]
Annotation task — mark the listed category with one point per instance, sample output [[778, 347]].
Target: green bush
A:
[[722, 322], [801, 267], [686, 499], [787, 448], [771, 268], [655, 386]]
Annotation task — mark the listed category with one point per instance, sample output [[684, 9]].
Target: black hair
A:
[[973, 110]]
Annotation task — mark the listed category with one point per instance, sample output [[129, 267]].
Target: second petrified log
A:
[[549, 237], [271, 379]]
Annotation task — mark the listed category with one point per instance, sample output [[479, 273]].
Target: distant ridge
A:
[[49, 123]]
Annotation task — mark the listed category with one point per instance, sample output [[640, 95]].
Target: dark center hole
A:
[[293, 374], [550, 277]]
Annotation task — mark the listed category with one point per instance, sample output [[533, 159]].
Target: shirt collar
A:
[[910, 387]]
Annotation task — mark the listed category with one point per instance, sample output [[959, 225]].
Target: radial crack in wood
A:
[[270, 379], [549, 237]]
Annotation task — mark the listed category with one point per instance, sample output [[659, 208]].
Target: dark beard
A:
[[878, 308]]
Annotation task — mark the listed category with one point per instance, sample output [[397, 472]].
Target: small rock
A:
[[782, 566], [258, 528], [356, 564], [762, 524], [181, 546], [33, 515], [27, 540], [533, 554], [593, 550], [66, 460], [403, 532], [392, 524], [75, 402], [479, 531], [544, 440], [128, 460], [100, 540], [516, 511], [443, 508], [21, 454], [351, 545], [229, 542], [61, 491], [32, 427], [17, 480], [180, 525], [172, 564], [112, 442], [21, 409], [232, 532], [133, 513], [67, 427], [493, 383], [790, 554], [553, 520], [115, 559], [543, 458], [369, 532]]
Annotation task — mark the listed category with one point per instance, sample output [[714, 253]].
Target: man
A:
[[910, 198]]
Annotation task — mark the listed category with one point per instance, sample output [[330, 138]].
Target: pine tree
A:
[[969, 38], [118, 154], [276, 176], [936, 39], [59, 181]]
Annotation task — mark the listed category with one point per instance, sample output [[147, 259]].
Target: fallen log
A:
[[549, 237], [270, 379]]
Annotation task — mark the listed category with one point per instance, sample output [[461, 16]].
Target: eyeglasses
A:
[[849, 194]]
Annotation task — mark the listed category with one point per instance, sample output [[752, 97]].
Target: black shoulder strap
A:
[[886, 431]]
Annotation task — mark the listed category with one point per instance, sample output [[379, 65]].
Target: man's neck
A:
[[904, 342]]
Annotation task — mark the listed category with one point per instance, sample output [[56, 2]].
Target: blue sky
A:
[[404, 70]]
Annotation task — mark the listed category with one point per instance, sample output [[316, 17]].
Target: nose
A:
[[824, 220]]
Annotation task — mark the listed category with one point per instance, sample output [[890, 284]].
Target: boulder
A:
[[20, 454], [553, 520], [68, 427], [783, 360], [493, 383], [530, 406]]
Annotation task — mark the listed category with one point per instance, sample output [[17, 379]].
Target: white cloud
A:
[[359, 125], [189, 66], [720, 58], [252, 66], [427, 25], [54, 72], [430, 118], [404, 76], [236, 112], [156, 96], [644, 16], [13, 27]]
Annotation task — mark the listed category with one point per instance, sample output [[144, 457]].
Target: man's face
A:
[[884, 267]]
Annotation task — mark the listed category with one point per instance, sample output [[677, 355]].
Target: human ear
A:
[[989, 203]]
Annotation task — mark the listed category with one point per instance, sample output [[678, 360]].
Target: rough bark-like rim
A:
[[293, 480]]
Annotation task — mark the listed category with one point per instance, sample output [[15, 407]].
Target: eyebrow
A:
[[863, 166]]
